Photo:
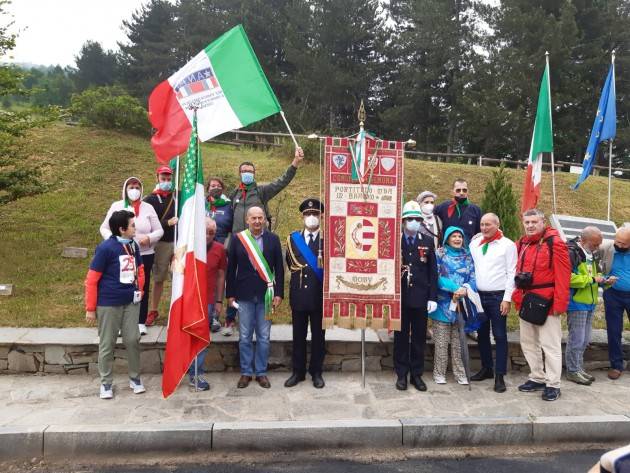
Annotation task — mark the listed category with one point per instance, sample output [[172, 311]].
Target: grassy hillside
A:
[[85, 168]]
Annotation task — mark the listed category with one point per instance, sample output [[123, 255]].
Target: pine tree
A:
[[499, 199]]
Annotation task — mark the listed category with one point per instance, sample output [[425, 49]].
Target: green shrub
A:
[[111, 108]]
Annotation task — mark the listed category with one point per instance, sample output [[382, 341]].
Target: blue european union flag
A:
[[604, 126]]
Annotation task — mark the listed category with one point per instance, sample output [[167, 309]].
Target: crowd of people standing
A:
[[459, 271]]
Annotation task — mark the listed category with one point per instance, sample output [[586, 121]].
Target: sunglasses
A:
[[413, 219], [461, 190]]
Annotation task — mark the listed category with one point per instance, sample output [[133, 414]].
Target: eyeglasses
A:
[[461, 190]]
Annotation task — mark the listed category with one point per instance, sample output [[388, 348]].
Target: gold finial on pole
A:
[[361, 115]]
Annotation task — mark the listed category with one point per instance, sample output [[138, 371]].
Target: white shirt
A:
[[495, 270], [308, 232]]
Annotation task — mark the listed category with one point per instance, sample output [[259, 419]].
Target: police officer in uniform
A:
[[304, 250], [419, 293]]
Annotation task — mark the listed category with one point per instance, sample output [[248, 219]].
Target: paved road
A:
[[566, 461]]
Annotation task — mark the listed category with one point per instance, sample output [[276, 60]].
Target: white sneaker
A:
[[106, 391], [439, 379], [143, 329], [463, 381], [228, 331], [136, 385]]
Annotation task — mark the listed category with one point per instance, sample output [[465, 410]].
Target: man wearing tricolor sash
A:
[[306, 294], [255, 286]]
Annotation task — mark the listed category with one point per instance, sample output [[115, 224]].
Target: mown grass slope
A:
[[84, 169]]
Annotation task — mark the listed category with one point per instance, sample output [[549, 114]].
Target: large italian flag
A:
[[224, 83], [542, 142], [188, 330]]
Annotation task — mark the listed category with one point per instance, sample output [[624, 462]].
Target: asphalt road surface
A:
[[564, 461]]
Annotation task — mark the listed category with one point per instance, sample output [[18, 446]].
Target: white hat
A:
[[411, 209]]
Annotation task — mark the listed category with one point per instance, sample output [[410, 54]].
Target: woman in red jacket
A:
[[543, 272]]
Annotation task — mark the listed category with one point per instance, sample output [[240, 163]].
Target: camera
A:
[[523, 280]]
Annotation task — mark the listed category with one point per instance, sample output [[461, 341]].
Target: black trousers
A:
[[318, 342], [409, 342], [147, 261]]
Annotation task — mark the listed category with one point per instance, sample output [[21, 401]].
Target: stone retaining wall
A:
[[75, 351]]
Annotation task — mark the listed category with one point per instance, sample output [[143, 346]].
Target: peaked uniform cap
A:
[[411, 209]]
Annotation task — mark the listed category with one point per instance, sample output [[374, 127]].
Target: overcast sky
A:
[[52, 31]]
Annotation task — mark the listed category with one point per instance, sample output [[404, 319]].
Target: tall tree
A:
[[95, 66]]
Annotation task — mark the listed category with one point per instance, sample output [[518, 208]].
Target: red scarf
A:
[[486, 241], [161, 193], [136, 207], [454, 205]]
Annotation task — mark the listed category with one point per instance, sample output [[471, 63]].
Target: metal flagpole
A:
[[363, 357], [553, 164], [610, 146]]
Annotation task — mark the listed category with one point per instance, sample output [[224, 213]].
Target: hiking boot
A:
[[590, 377], [551, 394], [531, 386], [151, 318], [578, 378]]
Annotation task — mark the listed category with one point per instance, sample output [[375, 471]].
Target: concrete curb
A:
[[306, 435], [55, 441]]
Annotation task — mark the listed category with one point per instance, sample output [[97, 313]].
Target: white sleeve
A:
[[106, 232], [156, 227], [511, 258]]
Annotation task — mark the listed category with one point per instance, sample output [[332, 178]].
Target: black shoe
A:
[[484, 373], [531, 386], [293, 380], [401, 383], [499, 384], [318, 381], [551, 394], [416, 380]]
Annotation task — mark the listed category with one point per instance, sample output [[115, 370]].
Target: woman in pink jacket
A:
[[148, 233]]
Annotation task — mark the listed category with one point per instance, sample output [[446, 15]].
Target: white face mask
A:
[[427, 209], [311, 222], [133, 194], [412, 226]]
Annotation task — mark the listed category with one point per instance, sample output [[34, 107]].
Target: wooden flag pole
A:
[[289, 128]]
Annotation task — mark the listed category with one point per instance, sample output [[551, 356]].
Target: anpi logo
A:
[[195, 83]]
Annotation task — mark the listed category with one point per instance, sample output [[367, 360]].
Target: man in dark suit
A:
[[255, 283], [460, 212], [306, 293], [418, 294]]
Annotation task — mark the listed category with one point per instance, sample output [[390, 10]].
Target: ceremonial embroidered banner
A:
[[362, 224]]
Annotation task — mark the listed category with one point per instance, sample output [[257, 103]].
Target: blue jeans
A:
[[580, 325], [201, 357], [615, 303], [491, 302], [252, 319]]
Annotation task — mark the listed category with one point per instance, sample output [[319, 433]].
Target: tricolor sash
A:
[[308, 254], [260, 264]]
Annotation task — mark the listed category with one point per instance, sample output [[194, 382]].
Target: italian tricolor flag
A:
[[542, 142], [224, 83], [188, 329]]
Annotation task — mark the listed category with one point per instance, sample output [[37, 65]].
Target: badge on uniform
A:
[[422, 251]]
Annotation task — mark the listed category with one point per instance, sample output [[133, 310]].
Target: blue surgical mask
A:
[[165, 186], [124, 241], [247, 178]]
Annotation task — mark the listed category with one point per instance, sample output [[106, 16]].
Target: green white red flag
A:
[[188, 329], [224, 83], [542, 142]]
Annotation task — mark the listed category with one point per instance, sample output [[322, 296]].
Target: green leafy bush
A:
[[112, 108]]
